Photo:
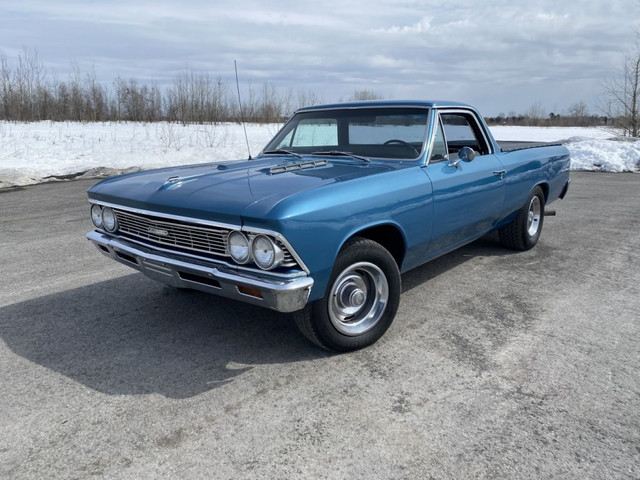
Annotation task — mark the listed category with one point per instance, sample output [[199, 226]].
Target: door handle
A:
[[500, 173]]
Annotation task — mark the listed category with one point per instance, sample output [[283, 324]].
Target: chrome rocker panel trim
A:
[[283, 295]]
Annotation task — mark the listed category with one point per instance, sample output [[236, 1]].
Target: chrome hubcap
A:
[[534, 215], [358, 298], [351, 295]]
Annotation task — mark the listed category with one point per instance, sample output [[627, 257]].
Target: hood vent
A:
[[297, 166]]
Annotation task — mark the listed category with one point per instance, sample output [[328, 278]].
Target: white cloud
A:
[[509, 52], [423, 25]]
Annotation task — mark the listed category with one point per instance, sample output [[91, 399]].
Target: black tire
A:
[[524, 231], [361, 300]]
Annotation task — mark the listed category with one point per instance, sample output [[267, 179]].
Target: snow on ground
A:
[[45, 151], [592, 149], [548, 134]]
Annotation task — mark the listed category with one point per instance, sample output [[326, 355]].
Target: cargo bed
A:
[[510, 146]]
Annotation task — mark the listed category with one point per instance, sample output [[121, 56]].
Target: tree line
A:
[[577, 115], [27, 94]]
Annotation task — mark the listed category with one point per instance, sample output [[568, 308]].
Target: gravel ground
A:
[[499, 365]]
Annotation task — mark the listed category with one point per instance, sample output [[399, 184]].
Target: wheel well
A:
[[545, 191], [389, 237]]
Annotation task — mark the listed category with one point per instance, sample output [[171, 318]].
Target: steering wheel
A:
[[402, 142]]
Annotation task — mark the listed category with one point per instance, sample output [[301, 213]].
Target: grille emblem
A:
[[158, 231]]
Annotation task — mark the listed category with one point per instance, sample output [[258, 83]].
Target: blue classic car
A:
[[324, 220]]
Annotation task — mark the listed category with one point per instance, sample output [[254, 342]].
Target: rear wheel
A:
[[361, 301], [524, 231]]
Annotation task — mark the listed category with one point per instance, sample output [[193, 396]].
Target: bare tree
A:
[[623, 94], [196, 97], [6, 87], [578, 110], [77, 103], [307, 98], [364, 94], [577, 115], [536, 113], [95, 98], [21, 86]]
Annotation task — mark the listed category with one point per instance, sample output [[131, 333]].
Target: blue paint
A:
[[435, 207]]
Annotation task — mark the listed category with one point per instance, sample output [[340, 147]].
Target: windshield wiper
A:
[[338, 153], [281, 151]]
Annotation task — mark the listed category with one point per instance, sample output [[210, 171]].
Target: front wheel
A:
[[524, 231], [361, 301]]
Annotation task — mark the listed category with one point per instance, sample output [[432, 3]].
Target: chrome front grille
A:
[[202, 239], [205, 239]]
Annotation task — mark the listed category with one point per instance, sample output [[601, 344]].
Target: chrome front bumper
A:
[[283, 295]]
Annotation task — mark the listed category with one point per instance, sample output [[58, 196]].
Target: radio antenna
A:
[[244, 126]]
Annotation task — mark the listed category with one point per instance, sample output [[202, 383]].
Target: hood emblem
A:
[[159, 232], [172, 183]]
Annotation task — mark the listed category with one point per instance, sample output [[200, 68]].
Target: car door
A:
[[468, 195]]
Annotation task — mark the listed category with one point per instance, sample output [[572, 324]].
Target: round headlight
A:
[[109, 221], [238, 247], [266, 253], [96, 215]]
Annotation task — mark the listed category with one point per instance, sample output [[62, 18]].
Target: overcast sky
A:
[[500, 55]]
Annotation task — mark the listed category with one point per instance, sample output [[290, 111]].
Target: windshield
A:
[[390, 133]]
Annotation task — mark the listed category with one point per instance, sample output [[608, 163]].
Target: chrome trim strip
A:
[[431, 134], [283, 295], [362, 107], [169, 216]]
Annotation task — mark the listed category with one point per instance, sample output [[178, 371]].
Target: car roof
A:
[[388, 103]]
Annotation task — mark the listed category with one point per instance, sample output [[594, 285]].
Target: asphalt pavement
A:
[[499, 364]]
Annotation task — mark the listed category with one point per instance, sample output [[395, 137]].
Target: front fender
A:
[[318, 223]]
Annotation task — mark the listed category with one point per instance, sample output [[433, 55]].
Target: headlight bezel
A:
[[277, 255], [96, 215], [238, 234], [109, 220]]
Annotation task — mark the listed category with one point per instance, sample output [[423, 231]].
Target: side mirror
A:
[[466, 154]]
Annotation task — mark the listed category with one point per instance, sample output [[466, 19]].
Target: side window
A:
[[462, 130], [439, 151]]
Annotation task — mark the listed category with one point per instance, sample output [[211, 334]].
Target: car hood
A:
[[227, 191]]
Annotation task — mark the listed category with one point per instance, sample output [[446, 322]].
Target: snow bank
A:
[[616, 155], [592, 149], [46, 151]]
